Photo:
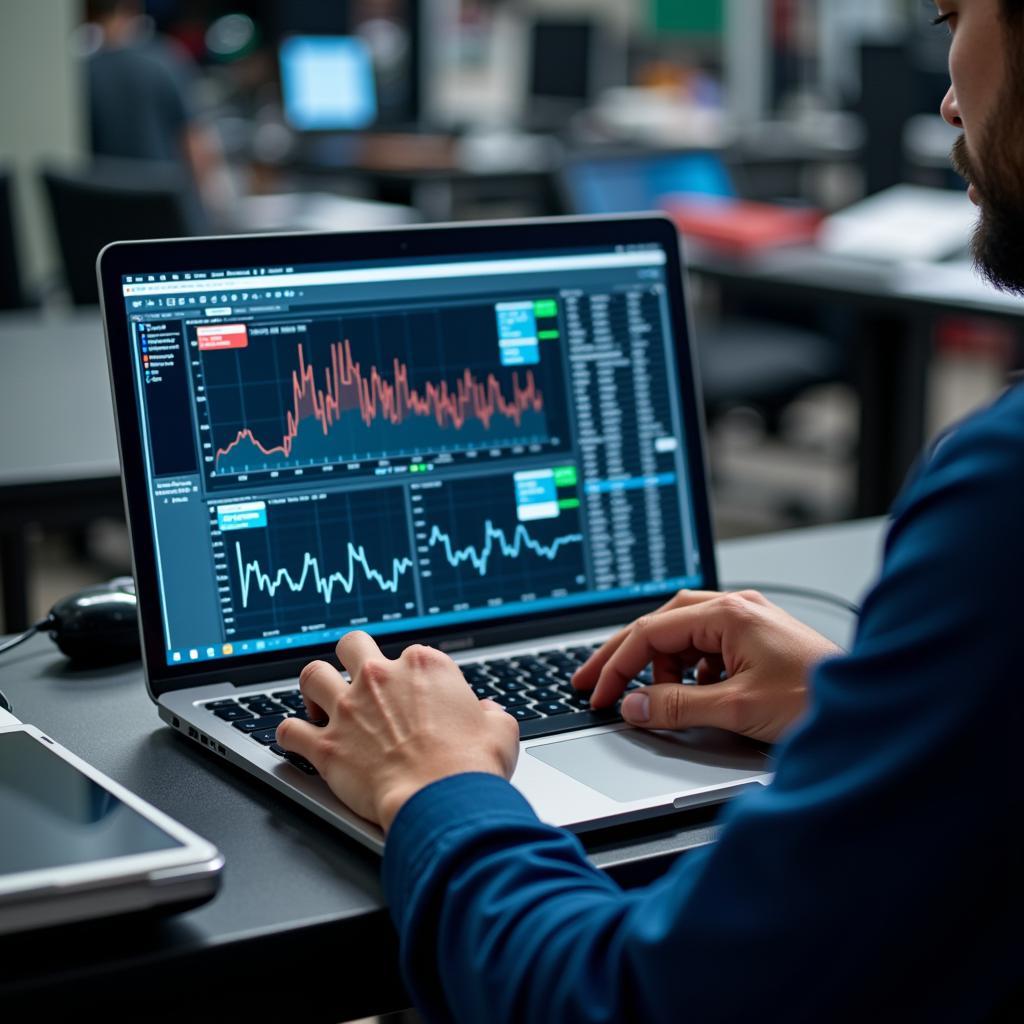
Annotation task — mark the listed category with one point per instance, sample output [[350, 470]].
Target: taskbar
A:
[[311, 638]]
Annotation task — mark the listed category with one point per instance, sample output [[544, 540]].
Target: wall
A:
[[40, 113]]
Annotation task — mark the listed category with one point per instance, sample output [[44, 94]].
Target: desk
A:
[[58, 452], [300, 907], [891, 309]]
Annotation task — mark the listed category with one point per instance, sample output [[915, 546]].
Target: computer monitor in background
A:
[[391, 32], [564, 71], [327, 83], [622, 184]]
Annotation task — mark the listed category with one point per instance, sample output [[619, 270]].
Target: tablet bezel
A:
[[120, 884]]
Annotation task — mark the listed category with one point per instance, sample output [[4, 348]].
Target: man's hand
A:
[[765, 654], [399, 726]]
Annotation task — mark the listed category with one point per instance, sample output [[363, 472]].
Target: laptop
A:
[[487, 438]]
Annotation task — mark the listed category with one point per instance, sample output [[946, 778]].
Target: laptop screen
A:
[[620, 184], [407, 446]]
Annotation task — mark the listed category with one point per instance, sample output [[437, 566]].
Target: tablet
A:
[[75, 845]]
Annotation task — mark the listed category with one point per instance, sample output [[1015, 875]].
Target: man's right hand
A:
[[765, 654]]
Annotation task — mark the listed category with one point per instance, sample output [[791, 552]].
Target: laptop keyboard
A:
[[536, 689]]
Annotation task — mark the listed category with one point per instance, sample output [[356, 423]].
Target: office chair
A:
[[12, 291], [110, 201]]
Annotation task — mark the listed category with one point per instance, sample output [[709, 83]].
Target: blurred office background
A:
[[762, 126]]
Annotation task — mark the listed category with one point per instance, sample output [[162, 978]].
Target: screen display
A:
[[327, 83], [646, 182], [54, 816], [408, 446]]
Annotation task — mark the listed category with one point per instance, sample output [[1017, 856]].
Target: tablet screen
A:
[[54, 816]]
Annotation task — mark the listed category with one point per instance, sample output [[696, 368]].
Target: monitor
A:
[[621, 184], [410, 445], [327, 83]]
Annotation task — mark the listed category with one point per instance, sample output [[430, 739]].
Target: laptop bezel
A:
[[400, 244]]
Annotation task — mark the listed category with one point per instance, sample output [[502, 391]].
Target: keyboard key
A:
[[215, 704], [294, 701], [567, 723], [511, 685], [511, 700], [303, 715], [268, 707], [484, 691], [522, 714], [235, 714], [265, 736], [279, 750], [283, 695], [257, 724], [554, 707], [579, 700], [250, 698], [543, 694], [300, 762], [533, 666]]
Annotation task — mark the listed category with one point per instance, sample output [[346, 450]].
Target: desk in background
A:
[[58, 452], [892, 309], [300, 911]]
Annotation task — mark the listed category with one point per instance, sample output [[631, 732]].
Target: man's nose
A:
[[950, 110]]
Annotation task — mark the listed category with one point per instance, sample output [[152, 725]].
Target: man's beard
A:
[[998, 179]]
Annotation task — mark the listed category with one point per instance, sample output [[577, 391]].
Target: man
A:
[[878, 876], [140, 95]]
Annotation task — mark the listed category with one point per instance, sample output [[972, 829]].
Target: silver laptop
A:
[[487, 438]]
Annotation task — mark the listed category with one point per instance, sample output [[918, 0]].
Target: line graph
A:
[[479, 546], [333, 390], [347, 388], [316, 561], [495, 539], [323, 584]]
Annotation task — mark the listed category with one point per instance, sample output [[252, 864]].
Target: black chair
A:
[[113, 201], [12, 289], [765, 365]]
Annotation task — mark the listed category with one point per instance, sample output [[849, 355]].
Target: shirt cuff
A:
[[439, 817]]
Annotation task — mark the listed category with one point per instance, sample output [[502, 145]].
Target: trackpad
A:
[[633, 765]]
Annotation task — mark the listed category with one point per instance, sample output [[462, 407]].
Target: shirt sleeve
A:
[[878, 873]]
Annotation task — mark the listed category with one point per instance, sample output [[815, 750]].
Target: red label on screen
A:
[[222, 336]]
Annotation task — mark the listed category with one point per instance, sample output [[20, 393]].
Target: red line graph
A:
[[346, 387]]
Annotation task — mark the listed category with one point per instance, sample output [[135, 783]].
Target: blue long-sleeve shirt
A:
[[878, 877]]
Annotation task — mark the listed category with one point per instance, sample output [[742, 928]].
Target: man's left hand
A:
[[397, 727]]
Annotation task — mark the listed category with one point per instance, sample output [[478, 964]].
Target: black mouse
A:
[[98, 625]]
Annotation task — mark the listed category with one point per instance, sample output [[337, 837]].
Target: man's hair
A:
[[97, 10]]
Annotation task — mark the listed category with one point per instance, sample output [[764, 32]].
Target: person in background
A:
[[142, 99], [878, 877]]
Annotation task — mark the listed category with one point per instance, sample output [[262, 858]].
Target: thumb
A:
[[675, 706]]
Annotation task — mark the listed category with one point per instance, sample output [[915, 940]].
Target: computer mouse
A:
[[98, 625]]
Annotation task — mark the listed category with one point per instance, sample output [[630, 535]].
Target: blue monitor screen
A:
[[327, 83], [401, 446], [642, 183]]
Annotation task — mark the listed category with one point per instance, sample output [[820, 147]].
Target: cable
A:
[[796, 591], [22, 637], [8, 645]]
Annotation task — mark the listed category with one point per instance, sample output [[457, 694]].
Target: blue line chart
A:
[[270, 582], [495, 538]]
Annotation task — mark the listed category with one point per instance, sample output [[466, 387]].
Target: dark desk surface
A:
[[928, 288], [299, 906]]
